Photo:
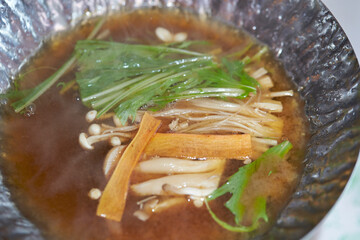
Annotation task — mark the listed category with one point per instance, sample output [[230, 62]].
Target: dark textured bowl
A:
[[302, 34]]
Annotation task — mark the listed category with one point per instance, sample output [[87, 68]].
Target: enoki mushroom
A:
[[190, 179]]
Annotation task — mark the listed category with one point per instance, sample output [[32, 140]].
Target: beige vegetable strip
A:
[[182, 184], [161, 165], [113, 199]]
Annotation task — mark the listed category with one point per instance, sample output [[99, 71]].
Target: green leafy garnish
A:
[[236, 186], [126, 77]]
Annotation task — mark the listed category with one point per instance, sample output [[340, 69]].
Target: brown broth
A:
[[50, 175]]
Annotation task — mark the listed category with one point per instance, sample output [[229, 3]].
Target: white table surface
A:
[[343, 220]]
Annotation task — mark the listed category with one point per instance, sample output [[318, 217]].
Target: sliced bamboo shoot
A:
[[113, 199], [200, 146]]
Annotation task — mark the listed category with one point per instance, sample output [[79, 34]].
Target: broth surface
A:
[[50, 175]]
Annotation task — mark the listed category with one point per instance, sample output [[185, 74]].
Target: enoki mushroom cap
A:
[[84, 142], [91, 115], [94, 129], [166, 36]]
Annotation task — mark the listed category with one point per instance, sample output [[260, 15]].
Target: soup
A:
[[60, 161]]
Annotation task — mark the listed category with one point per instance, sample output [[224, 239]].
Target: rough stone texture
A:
[[302, 34]]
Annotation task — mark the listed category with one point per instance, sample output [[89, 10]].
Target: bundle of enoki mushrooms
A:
[[185, 146]]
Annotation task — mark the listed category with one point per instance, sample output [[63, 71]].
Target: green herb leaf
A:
[[237, 184], [259, 213], [126, 77]]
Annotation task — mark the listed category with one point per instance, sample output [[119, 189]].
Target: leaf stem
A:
[[41, 88], [37, 91]]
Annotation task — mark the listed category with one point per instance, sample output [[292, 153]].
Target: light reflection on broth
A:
[[50, 175]]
